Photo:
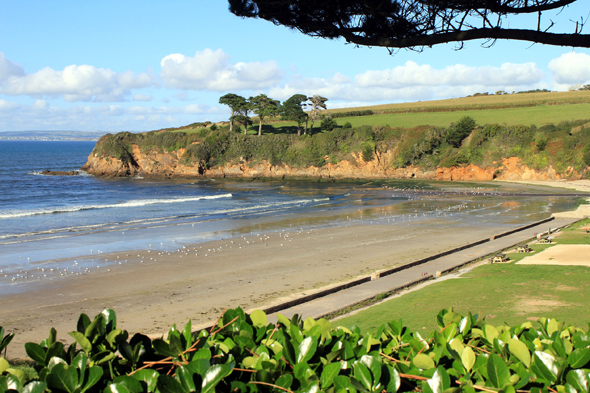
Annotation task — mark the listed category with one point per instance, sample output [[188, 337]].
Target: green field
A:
[[537, 115], [511, 109], [503, 292]]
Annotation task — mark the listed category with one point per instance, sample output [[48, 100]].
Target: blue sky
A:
[[144, 65]]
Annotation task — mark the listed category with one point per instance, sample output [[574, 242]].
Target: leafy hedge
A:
[[243, 353]]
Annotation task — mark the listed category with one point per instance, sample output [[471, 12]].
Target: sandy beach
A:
[[153, 290]]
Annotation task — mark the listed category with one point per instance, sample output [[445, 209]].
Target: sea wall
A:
[[163, 164]]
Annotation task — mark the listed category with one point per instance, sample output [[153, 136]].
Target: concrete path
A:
[[398, 280]]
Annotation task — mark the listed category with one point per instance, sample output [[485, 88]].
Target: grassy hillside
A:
[[512, 109]]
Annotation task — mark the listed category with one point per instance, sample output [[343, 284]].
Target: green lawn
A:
[[503, 292]]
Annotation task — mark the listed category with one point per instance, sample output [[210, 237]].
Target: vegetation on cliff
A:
[[564, 145]]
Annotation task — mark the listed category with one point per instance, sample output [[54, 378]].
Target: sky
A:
[[145, 65]]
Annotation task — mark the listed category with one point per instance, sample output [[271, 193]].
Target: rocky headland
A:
[[164, 164]]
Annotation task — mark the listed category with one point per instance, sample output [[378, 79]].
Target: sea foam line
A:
[[132, 203]]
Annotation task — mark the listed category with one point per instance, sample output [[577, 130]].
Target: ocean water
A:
[[48, 220]]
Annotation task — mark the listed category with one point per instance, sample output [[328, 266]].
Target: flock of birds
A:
[[97, 263]]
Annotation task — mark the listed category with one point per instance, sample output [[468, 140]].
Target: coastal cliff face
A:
[[163, 164]]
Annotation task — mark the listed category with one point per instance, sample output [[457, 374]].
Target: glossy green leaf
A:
[[579, 357], [259, 318], [35, 387], [176, 346], [150, 377], [468, 358], [545, 366], [311, 388], [214, 375], [36, 352], [436, 383], [302, 371], [82, 341], [306, 349], [4, 365], [329, 372], [390, 378], [423, 361], [63, 377], [374, 366], [94, 374], [490, 333], [131, 384], [363, 375], [285, 381], [110, 318], [498, 372], [578, 379], [520, 351], [167, 384], [116, 388]]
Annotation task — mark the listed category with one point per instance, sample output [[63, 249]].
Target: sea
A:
[[49, 221]]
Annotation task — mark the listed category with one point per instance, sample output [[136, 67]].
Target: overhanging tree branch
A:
[[416, 23], [541, 37]]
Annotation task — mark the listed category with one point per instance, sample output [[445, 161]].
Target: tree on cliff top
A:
[[416, 24], [236, 103], [318, 103], [293, 110], [264, 107]]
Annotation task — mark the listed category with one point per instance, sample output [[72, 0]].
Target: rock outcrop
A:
[[169, 165], [59, 173]]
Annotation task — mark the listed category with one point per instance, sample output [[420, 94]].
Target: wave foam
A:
[[132, 203]]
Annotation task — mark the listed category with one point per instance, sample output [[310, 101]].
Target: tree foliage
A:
[[317, 104], [292, 109], [460, 131], [328, 124], [236, 104], [419, 23], [264, 107]]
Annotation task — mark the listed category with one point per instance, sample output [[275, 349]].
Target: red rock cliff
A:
[[168, 165]]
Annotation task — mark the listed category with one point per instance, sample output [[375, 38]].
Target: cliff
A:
[[486, 153], [152, 163]]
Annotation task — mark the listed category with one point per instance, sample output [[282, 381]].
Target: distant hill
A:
[[51, 135]]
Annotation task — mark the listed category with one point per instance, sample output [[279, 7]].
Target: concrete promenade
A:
[[398, 280]]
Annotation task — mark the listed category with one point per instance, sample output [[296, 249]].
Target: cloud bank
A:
[[73, 83], [213, 71]]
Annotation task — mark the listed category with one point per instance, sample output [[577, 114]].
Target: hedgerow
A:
[[244, 353]]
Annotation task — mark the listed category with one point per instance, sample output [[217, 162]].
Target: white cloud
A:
[[411, 74], [6, 106], [142, 97], [74, 83], [9, 68], [571, 68], [212, 70], [412, 82], [40, 104]]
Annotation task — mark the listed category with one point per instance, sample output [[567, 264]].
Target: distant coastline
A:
[[51, 136]]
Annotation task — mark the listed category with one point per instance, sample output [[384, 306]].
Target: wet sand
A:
[[154, 290]]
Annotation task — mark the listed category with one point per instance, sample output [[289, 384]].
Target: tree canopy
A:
[[264, 107], [416, 24], [293, 110]]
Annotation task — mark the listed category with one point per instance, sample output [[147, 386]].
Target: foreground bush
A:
[[243, 353]]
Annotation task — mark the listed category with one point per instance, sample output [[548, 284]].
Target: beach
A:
[[154, 290]]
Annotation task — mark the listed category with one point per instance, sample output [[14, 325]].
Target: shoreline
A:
[[151, 296]]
